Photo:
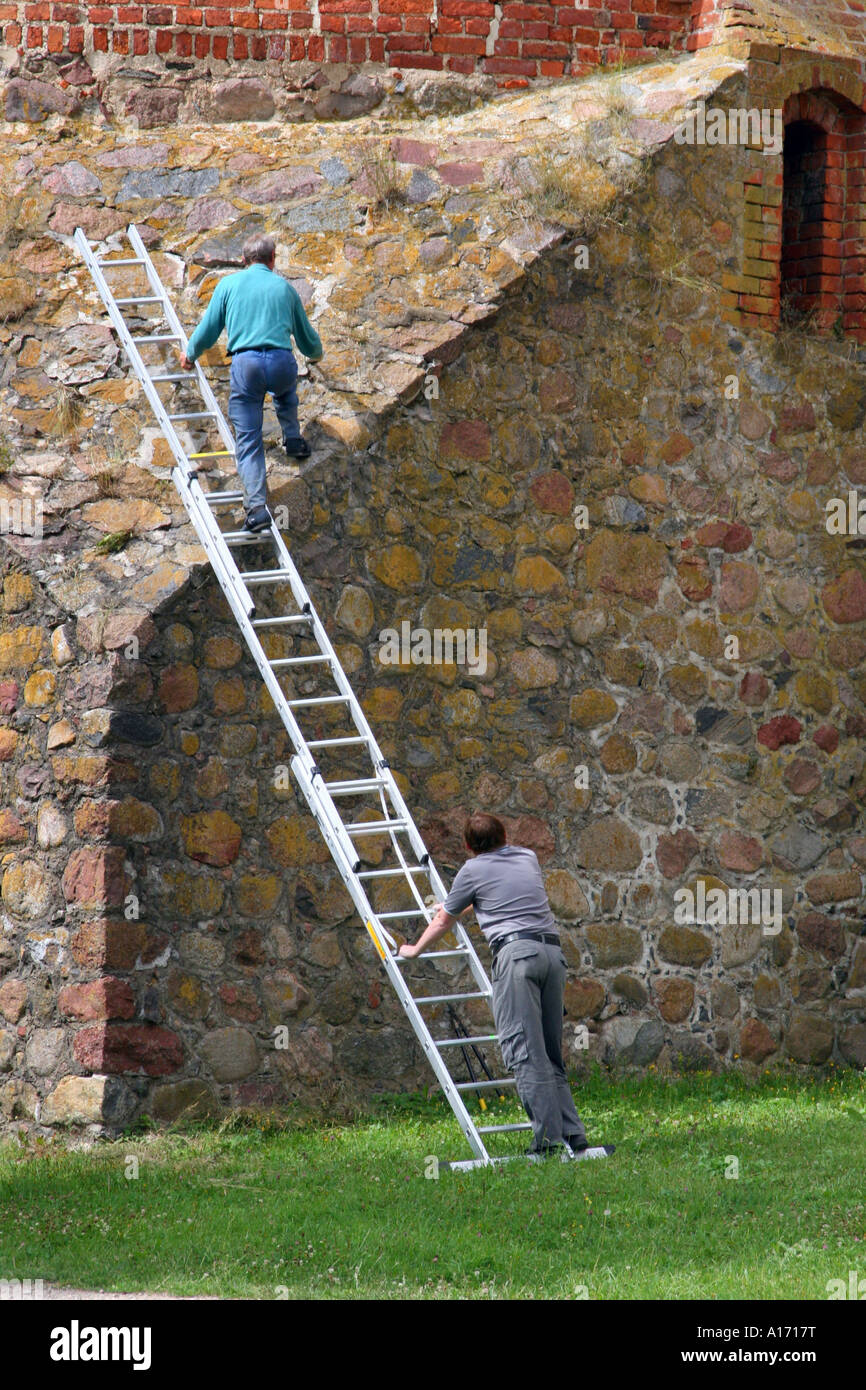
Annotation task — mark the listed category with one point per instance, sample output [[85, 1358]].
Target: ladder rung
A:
[[171, 376], [141, 299], [447, 998], [298, 660], [484, 1085], [321, 700], [430, 955], [278, 622], [215, 454], [195, 415], [369, 784], [331, 742], [389, 916], [159, 338], [135, 260], [372, 827], [233, 538], [464, 1042], [502, 1129], [222, 498], [393, 873], [265, 576]]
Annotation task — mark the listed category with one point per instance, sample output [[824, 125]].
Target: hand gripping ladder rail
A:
[[396, 827]]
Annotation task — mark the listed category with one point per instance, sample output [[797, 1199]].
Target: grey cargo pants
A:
[[528, 979]]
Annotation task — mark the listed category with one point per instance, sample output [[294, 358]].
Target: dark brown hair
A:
[[483, 833]]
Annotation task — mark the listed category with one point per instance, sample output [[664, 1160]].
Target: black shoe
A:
[[259, 519], [297, 448]]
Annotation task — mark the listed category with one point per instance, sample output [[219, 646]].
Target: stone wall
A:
[[166, 905], [612, 389], [695, 641]]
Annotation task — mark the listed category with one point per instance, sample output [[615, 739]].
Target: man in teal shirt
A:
[[261, 313]]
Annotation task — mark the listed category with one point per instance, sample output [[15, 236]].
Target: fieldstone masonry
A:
[[573, 432]]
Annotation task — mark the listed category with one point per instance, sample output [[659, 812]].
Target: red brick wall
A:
[[822, 252], [512, 41], [804, 216]]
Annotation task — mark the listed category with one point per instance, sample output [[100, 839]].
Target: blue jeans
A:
[[253, 374]]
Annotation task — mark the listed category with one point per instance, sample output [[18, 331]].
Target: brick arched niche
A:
[[822, 260]]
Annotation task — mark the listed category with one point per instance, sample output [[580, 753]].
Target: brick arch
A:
[[835, 89], [821, 261], [835, 79]]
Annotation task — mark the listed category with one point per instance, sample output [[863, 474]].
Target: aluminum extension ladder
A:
[[412, 864]]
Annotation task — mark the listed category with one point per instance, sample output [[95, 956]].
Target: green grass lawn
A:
[[297, 1209]]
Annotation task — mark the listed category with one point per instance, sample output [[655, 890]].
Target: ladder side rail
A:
[[205, 391], [202, 517], [303, 600], [229, 577], [440, 892], [138, 364], [344, 854], [208, 519], [435, 1060], [410, 1008], [322, 639], [199, 512], [307, 774], [377, 932], [176, 326], [335, 844], [325, 813], [479, 974]]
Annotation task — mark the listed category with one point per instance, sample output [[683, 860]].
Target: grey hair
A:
[[259, 248]]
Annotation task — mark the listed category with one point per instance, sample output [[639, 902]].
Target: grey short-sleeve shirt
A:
[[507, 891]]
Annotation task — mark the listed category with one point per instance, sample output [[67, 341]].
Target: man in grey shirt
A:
[[504, 884]]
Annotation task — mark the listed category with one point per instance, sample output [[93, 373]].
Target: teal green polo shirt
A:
[[258, 309]]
